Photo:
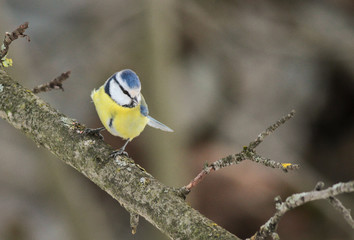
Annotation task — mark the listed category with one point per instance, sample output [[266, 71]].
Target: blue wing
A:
[[143, 107], [152, 122]]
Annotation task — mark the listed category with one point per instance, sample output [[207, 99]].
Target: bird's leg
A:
[[121, 150], [94, 132]]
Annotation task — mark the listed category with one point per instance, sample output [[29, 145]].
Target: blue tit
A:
[[122, 108]]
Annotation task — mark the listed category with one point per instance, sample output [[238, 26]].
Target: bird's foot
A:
[[119, 152], [94, 132]]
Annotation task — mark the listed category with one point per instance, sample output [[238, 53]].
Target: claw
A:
[[94, 132], [119, 152]]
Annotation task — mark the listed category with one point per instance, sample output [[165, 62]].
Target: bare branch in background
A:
[[9, 38], [247, 153], [299, 199], [338, 205], [270, 130], [56, 83]]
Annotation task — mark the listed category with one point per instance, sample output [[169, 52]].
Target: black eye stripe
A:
[[121, 88], [106, 88]]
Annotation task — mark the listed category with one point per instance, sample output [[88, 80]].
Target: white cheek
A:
[[118, 96]]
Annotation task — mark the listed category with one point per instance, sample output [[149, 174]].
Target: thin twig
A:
[[343, 210], [270, 130], [56, 83], [296, 200], [10, 37], [186, 189], [134, 222], [337, 204], [247, 153], [254, 157]]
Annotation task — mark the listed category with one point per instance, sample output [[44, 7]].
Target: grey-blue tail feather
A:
[[156, 124]]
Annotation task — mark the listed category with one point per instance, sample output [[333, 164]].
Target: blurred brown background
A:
[[218, 73]]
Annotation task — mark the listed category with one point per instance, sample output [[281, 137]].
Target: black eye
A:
[[124, 91]]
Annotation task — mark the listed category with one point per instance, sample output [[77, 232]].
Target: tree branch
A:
[[9, 38], [296, 200], [337, 205], [248, 153], [270, 130], [56, 83], [134, 188]]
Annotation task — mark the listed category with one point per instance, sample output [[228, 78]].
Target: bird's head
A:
[[124, 88]]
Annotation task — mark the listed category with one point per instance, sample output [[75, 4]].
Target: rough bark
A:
[[129, 184]]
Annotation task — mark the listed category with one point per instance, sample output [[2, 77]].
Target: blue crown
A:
[[130, 78]]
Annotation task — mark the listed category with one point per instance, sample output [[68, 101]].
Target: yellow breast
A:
[[124, 122]]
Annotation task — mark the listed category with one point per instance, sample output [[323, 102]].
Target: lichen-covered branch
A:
[[248, 153], [129, 184], [337, 205], [270, 130], [56, 83], [9, 38], [296, 200], [134, 222]]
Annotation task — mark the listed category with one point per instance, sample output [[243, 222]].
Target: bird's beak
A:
[[135, 101]]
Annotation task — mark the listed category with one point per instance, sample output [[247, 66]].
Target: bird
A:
[[122, 108]]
